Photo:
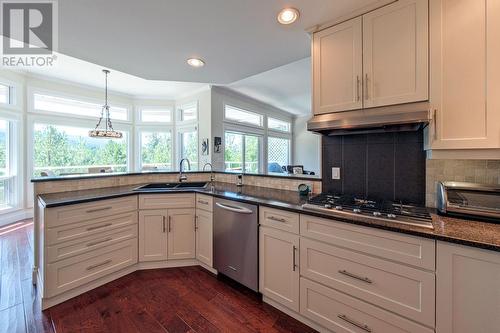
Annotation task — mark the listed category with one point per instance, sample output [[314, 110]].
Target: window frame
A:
[[274, 130], [185, 128], [181, 107], [31, 91], [260, 137], [290, 149], [138, 115], [14, 156], [243, 123], [138, 143]]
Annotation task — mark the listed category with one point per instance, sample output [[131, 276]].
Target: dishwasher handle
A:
[[235, 209]]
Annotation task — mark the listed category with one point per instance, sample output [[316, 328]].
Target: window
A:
[[156, 115], [278, 125], [63, 150], [156, 151], [242, 116], [188, 143], [4, 94], [278, 154], [188, 112], [5, 179], [75, 107], [242, 152]]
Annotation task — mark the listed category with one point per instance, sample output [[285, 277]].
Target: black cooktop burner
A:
[[382, 209]]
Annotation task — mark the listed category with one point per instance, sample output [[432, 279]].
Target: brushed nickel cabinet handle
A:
[[163, 224], [366, 87], [99, 226], [354, 276], [98, 210], [277, 219], [99, 242], [196, 222], [364, 327], [99, 265], [203, 202], [434, 120], [293, 258], [358, 81], [169, 223]]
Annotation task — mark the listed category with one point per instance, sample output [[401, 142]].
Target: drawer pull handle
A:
[[277, 219], [169, 223], [99, 226], [163, 223], [203, 202], [99, 242], [364, 327], [293, 258], [354, 276], [99, 265], [98, 209]]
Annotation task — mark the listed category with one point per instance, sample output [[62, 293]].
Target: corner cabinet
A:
[[378, 59], [467, 289], [465, 74]]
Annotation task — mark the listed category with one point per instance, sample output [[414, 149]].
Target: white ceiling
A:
[[153, 38], [89, 74], [286, 87]]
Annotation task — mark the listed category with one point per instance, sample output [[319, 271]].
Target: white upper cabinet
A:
[[378, 59], [395, 54], [465, 74], [337, 68]]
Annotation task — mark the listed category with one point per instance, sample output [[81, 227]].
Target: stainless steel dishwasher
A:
[[236, 251]]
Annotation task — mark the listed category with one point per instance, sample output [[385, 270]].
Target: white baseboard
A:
[[15, 216]]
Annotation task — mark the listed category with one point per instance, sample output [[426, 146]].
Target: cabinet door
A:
[[181, 235], [279, 272], [152, 235], [467, 289], [395, 54], [337, 68], [465, 74], [204, 234]]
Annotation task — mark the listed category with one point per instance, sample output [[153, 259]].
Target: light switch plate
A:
[[336, 173]]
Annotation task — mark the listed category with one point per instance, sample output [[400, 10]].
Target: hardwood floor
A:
[[188, 299]]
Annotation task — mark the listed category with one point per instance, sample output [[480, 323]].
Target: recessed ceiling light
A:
[[195, 62], [288, 15]]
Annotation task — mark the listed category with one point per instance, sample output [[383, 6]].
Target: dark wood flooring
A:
[[188, 299]]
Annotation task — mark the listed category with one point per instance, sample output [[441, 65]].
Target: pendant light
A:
[[106, 130]]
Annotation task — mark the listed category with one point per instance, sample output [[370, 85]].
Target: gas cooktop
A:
[[392, 211]]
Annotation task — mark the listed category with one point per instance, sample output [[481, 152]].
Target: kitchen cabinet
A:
[[181, 233], [467, 289], [378, 59], [465, 74], [278, 264], [153, 235], [204, 237], [337, 68]]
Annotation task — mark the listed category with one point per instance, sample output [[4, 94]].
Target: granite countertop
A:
[[466, 232]]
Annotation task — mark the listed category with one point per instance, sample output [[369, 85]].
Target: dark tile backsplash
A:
[[382, 166]]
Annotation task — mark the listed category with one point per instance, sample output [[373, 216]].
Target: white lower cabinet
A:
[[339, 312], [278, 271], [204, 237], [153, 235], [181, 233], [467, 290]]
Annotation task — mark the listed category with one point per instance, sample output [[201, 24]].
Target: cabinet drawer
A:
[[89, 211], [88, 228], [79, 246], [73, 272], [341, 313], [279, 219], [407, 291], [204, 202], [165, 201], [406, 249]]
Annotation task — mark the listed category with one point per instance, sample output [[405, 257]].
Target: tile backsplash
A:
[[474, 171], [381, 166]]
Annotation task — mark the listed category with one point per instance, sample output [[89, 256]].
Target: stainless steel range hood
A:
[[406, 117]]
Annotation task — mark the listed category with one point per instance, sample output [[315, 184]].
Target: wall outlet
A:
[[336, 173]]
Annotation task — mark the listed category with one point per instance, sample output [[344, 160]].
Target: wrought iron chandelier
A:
[[106, 130]]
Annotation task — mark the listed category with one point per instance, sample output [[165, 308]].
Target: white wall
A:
[[307, 146]]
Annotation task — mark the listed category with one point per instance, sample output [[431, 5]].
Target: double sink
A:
[[160, 187]]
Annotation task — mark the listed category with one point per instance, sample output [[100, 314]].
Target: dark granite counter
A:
[[466, 232]]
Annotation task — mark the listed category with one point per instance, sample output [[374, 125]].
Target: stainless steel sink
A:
[[159, 187]]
